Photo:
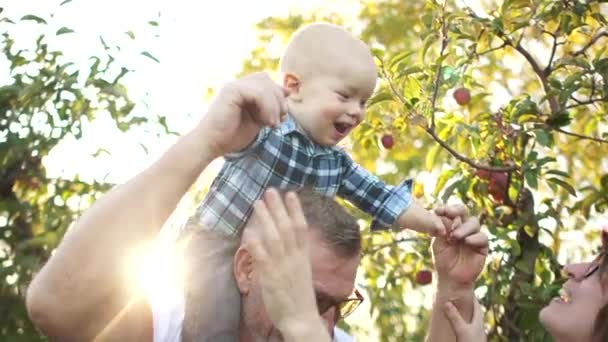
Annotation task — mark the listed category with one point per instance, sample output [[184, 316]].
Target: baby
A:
[[328, 75]]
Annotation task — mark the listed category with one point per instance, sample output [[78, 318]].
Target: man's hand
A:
[[460, 256], [282, 259], [240, 110]]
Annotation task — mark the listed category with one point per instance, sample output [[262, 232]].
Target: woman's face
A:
[[571, 316]]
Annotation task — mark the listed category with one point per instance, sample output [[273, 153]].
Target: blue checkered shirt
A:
[[285, 158]]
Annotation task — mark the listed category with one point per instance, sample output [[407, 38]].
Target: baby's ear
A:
[[291, 84]]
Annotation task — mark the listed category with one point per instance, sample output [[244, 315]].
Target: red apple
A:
[[424, 277], [387, 141], [462, 96], [483, 174], [498, 186]]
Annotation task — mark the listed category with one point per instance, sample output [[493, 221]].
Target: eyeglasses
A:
[[343, 308]]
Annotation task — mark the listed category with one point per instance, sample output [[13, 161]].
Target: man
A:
[[82, 293]]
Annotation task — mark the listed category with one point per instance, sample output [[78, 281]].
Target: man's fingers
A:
[[259, 252], [469, 227], [282, 101], [278, 212], [478, 241], [268, 234], [261, 96], [297, 215]]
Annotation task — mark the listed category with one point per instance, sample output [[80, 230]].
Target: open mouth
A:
[[564, 296], [342, 128]]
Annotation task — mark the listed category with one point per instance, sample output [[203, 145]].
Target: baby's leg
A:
[[211, 295]]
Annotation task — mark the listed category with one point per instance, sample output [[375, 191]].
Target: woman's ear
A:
[[243, 269]]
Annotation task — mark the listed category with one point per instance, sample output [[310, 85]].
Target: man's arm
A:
[[83, 290], [84, 284]]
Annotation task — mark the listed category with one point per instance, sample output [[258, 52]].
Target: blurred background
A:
[[501, 105]]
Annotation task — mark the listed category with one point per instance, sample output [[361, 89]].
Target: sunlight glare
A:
[[156, 268]]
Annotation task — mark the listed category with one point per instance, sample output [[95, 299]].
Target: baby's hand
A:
[[417, 218]]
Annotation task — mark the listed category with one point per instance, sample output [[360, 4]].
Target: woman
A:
[[583, 296]]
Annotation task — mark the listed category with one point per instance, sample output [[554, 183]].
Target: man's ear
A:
[[243, 269], [291, 83]]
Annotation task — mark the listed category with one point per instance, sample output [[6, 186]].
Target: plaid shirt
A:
[[285, 158]]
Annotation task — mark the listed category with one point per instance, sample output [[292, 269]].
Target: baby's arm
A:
[[387, 204], [417, 218]]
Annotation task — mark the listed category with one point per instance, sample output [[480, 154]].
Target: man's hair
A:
[[336, 227]]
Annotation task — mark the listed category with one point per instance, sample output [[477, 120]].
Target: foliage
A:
[[538, 74], [45, 98]]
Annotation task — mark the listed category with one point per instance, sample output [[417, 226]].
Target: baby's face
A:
[[333, 104]]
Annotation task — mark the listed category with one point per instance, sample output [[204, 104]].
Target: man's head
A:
[[329, 75], [335, 243]]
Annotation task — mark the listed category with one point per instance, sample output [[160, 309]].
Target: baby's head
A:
[[329, 75]]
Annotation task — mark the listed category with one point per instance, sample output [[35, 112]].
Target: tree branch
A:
[[586, 102], [390, 84], [490, 50], [548, 68], [581, 136], [464, 159], [590, 43], [553, 104], [437, 82]]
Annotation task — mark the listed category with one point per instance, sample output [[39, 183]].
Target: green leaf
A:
[[149, 55], [529, 230], [564, 185], [443, 179], [431, 156], [399, 58], [449, 190], [531, 178], [65, 2], [543, 138], [64, 30], [379, 97], [33, 18], [558, 173], [152, 23], [559, 120], [130, 34]]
